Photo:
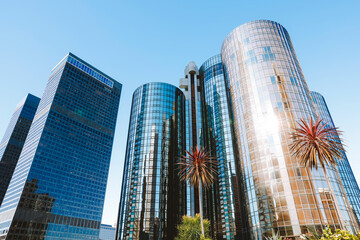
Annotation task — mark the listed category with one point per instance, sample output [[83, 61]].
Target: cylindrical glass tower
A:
[[269, 95], [346, 174], [153, 197], [224, 201]]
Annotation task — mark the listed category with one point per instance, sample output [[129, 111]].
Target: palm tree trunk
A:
[[201, 213]]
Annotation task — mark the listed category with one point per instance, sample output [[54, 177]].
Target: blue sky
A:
[[138, 42]]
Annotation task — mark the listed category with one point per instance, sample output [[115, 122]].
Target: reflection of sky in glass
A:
[[60, 180], [346, 174], [229, 218], [152, 199], [269, 94]]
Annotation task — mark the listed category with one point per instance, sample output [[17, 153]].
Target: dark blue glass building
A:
[[225, 198], [14, 139], [58, 187], [153, 197], [346, 174]]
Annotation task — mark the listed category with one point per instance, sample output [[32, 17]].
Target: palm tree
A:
[[316, 143], [199, 169]]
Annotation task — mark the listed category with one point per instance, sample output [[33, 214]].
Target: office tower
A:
[[152, 196], [194, 99], [14, 139], [107, 232], [269, 95], [227, 208], [58, 187], [346, 174]]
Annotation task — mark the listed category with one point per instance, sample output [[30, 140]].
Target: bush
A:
[[190, 228], [329, 234]]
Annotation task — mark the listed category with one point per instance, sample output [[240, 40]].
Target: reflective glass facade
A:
[[107, 232], [14, 139], [153, 197], [225, 198], [269, 94], [57, 190], [346, 174]]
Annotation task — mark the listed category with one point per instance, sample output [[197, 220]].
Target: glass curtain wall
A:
[[58, 187], [153, 199], [346, 174], [225, 210], [14, 139], [269, 95]]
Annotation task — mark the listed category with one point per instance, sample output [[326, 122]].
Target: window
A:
[[293, 81], [273, 79]]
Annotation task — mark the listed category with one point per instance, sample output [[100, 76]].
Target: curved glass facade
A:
[[226, 209], [153, 197], [269, 94], [346, 174]]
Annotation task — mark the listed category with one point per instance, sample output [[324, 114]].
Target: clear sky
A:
[[138, 42]]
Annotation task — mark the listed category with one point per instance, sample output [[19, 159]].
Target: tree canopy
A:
[[190, 228]]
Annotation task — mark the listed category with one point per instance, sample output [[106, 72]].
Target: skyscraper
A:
[[195, 136], [269, 95], [58, 187], [346, 174], [107, 232], [225, 205], [153, 197], [14, 139]]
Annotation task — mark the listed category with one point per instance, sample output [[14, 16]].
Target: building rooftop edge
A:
[[29, 97], [87, 64], [247, 23]]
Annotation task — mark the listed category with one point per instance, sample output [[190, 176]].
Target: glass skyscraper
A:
[[269, 95], [346, 174], [58, 187], [14, 139], [192, 88], [153, 197], [225, 202], [241, 106], [107, 232]]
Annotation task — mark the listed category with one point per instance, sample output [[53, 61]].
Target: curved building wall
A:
[[269, 94], [347, 176], [226, 214], [152, 199]]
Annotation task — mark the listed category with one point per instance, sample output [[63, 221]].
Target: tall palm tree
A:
[[199, 169], [315, 143]]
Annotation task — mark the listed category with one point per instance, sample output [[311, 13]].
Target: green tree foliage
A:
[[190, 229], [329, 234], [200, 170]]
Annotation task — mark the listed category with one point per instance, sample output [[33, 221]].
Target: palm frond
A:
[[197, 165], [315, 143]]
